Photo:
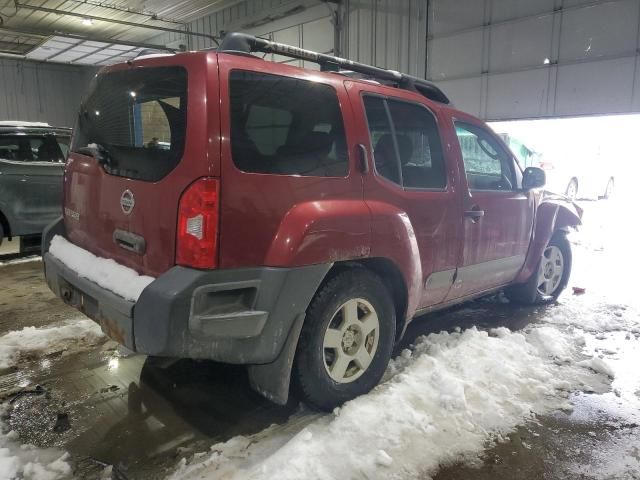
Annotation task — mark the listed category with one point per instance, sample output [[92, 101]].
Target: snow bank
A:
[[449, 396], [33, 341], [29, 462], [35, 258], [107, 273]]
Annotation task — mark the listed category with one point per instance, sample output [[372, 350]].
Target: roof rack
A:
[[242, 43]]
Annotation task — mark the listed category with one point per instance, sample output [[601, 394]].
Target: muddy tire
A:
[[550, 277], [346, 341]]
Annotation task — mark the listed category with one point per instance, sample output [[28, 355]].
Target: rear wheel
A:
[[550, 278], [1, 234], [572, 189], [346, 341]]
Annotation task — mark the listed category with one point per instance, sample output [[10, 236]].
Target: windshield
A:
[[137, 120], [33, 148]]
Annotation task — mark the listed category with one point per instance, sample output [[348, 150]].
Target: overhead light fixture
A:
[[87, 22]]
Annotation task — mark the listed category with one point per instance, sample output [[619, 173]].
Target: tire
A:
[[328, 367], [608, 191], [534, 291], [1, 234], [572, 189]]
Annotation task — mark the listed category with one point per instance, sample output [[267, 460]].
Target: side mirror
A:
[[533, 177]]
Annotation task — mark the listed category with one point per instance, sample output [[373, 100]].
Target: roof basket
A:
[[241, 43]]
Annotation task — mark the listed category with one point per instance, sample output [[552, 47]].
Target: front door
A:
[[497, 214]]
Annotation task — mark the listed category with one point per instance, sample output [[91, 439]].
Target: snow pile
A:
[[34, 258], [29, 462], [31, 341], [107, 273], [447, 398], [21, 123]]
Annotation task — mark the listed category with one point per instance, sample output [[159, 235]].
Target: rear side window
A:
[[406, 144], [137, 120], [286, 126], [33, 148]]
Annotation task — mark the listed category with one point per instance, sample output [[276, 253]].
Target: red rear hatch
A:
[[145, 133]]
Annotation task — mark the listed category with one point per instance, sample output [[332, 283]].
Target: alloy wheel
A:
[[550, 271], [351, 340]]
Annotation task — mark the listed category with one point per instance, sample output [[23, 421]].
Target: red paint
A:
[[286, 220]]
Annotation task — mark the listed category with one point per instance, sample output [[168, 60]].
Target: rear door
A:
[[413, 172], [145, 132], [497, 214]]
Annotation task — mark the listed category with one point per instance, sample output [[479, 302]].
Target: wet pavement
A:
[[142, 415]]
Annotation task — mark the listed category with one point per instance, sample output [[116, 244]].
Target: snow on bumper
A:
[[123, 281]]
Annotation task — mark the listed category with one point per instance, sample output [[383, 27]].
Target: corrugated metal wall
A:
[[41, 92], [387, 33], [505, 59], [304, 23]]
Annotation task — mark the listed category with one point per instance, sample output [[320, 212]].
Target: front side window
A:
[[137, 120], [32, 148], [287, 126], [406, 144], [486, 164]]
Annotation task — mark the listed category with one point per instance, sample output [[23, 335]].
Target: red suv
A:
[[289, 219]]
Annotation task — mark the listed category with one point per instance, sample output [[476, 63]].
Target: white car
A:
[[577, 172], [579, 177]]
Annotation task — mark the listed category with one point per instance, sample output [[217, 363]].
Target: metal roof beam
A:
[[112, 20]]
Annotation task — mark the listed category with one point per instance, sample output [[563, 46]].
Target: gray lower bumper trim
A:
[[112, 312]]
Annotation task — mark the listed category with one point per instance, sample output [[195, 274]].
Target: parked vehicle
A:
[[579, 172], [579, 177], [298, 219], [32, 159]]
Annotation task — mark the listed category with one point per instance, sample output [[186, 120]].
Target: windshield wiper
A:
[[98, 152]]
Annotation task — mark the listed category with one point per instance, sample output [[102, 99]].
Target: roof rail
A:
[[242, 43]]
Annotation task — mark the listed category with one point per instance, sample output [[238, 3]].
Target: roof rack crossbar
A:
[[242, 43]]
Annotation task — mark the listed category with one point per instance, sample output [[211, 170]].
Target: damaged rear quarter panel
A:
[[324, 231]]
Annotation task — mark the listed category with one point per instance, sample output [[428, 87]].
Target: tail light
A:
[[197, 238]]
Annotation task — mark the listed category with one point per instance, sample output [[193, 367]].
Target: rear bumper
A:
[[241, 316]]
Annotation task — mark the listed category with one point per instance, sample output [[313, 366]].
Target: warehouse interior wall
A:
[[387, 33], [497, 59], [509, 59], [42, 92], [302, 23]]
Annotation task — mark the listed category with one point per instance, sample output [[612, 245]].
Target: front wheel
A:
[[550, 278], [346, 341]]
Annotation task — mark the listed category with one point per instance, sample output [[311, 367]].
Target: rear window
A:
[[287, 126], [33, 148], [136, 120]]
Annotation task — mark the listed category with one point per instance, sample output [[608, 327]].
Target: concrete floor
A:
[[105, 407]]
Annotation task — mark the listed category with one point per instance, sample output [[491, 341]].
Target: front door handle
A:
[[474, 214]]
